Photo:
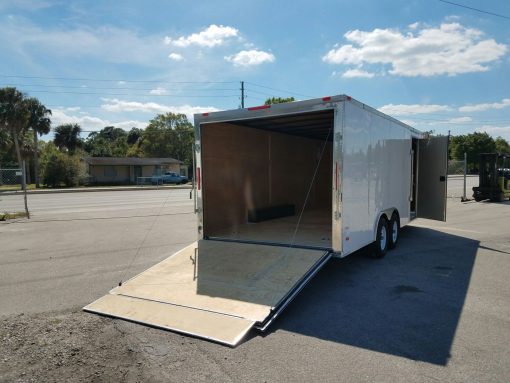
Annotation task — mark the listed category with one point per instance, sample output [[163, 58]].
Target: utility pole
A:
[[242, 94]]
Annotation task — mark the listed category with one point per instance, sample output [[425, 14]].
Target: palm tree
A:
[[40, 123], [13, 118], [13, 115], [68, 136]]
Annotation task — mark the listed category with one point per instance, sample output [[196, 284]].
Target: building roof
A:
[[130, 161]]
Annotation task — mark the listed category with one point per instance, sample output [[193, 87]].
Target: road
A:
[[77, 244], [434, 309]]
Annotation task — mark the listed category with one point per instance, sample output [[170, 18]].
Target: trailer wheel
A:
[[394, 230], [382, 238]]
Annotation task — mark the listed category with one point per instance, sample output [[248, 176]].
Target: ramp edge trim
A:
[[294, 292]]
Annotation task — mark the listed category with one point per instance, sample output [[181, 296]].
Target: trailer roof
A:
[[310, 118]]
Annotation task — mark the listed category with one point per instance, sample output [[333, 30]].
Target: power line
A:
[[475, 9], [114, 88], [128, 94], [118, 80], [279, 90]]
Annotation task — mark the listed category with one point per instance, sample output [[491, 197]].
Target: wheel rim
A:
[[394, 231], [382, 241]]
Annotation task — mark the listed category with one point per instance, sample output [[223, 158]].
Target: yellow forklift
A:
[[494, 177]]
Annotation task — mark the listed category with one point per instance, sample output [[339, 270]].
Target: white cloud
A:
[[352, 73], [505, 103], [119, 106], [108, 44], [158, 91], [72, 108], [175, 56], [412, 109], [459, 120], [211, 36], [449, 49], [91, 123], [250, 58], [495, 131]]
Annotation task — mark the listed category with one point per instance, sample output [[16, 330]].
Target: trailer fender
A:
[[387, 213]]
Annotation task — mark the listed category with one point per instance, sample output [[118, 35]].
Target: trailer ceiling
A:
[[315, 125]]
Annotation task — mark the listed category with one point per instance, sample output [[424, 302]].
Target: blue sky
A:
[[431, 64]]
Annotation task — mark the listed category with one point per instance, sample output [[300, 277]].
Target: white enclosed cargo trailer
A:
[[279, 190]]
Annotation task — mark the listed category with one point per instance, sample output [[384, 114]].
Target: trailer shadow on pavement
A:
[[407, 304]]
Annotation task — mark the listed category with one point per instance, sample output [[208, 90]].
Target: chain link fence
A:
[[10, 179], [11, 205], [460, 184], [456, 167]]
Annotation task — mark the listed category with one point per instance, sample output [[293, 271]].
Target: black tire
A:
[[394, 231], [380, 247]]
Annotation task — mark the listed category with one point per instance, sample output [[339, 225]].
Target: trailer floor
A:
[[314, 230]]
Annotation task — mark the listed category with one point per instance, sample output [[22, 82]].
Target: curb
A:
[[89, 190]]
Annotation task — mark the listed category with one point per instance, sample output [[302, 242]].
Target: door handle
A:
[[442, 178]]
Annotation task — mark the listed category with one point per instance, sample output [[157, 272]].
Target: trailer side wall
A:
[[376, 157]]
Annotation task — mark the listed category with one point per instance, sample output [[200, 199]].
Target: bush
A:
[[58, 168]]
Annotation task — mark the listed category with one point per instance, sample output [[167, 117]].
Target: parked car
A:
[[168, 178]]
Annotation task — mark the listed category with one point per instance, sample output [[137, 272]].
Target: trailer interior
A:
[[269, 180]]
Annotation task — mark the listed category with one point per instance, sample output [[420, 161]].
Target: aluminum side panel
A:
[[376, 173]]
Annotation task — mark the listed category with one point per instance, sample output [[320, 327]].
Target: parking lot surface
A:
[[434, 309]]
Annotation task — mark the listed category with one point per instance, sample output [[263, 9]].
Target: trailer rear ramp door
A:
[[214, 289]]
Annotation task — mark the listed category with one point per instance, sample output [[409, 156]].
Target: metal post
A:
[[465, 175], [242, 94], [24, 186]]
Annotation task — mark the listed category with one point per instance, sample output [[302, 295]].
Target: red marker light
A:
[[326, 99], [205, 114], [348, 98], [259, 107]]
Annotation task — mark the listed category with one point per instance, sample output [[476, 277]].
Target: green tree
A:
[[473, 144], [108, 142], [502, 145], [278, 100], [67, 136], [136, 150], [13, 119], [40, 123], [13, 116], [134, 136], [7, 159], [169, 135]]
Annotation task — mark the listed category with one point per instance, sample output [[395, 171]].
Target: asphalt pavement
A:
[[434, 309]]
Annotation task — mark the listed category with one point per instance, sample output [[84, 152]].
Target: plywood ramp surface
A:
[[213, 326], [210, 282]]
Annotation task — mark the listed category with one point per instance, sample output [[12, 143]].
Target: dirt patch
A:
[[71, 347], [74, 346]]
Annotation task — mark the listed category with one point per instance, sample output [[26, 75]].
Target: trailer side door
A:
[[432, 178]]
